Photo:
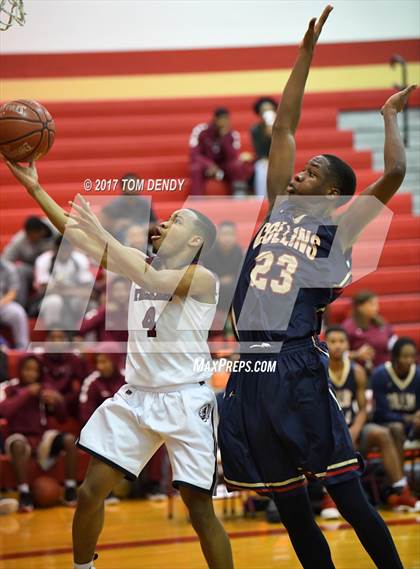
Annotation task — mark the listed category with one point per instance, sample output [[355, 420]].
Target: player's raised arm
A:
[[281, 160], [361, 212], [28, 177], [194, 280]]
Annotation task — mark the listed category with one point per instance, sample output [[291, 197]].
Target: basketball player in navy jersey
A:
[[350, 382], [278, 428], [166, 400], [396, 392]]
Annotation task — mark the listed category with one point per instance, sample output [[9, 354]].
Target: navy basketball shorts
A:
[[280, 427]]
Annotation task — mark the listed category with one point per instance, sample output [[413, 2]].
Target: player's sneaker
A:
[[8, 506], [329, 509], [26, 503], [70, 496], [403, 501]]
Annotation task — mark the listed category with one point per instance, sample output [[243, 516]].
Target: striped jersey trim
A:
[[351, 464], [300, 478]]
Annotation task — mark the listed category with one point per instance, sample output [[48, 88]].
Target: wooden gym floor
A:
[[137, 535]]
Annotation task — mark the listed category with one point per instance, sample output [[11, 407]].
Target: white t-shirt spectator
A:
[[73, 271]]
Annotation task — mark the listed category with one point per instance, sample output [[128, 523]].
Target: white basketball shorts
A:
[[128, 428]]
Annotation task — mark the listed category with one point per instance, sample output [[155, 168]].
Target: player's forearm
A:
[[288, 112], [52, 210], [125, 260], [394, 151]]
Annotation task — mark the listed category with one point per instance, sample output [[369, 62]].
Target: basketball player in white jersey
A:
[[165, 401]]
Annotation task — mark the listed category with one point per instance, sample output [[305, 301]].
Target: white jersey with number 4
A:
[[167, 337]]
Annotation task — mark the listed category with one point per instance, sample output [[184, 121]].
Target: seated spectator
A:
[[214, 153], [110, 320], [63, 370], [118, 215], [265, 108], [26, 245], [26, 403], [370, 337], [103, 382], [396, 393], [63, 273], [225, 260], [11, 313], [350, 383]]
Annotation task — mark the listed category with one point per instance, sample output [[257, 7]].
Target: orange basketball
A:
[[27, 131], [46, 492]]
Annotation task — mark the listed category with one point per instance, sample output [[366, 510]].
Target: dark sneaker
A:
[[26, 503], [70, 496]]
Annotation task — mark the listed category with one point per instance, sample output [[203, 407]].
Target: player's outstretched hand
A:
[[398, 101], [84, 219], [314, 30], [26, 175]]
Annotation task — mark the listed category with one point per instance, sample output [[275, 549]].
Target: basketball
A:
[[46, 492], [27, 130]]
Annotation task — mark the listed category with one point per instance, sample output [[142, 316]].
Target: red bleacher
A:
[[106, 139]]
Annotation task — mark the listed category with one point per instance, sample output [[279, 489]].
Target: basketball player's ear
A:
[[333, 193]]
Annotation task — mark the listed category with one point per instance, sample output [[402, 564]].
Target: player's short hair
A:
[[399, 345], [34, 223], [336, 328], [259, 102], [206, 229], [220, 112], [343, 176]]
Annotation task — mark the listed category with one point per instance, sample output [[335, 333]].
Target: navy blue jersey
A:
[[345, 388], [395, 396], [292, 270]]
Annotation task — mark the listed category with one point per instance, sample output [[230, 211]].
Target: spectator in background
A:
[[214, 153], [67, 275], [350, 383], [26, 403], [225, 260], [121, 213], [370, 337], [265, 108], [109, 321], [103, 382], [396, 393], [136, 236], [11, 313], [62, 369], [26, 245]]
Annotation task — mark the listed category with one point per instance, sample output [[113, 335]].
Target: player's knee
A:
[[88, 497], [397, 430], [382, 437], [18, 449], [200, 508]]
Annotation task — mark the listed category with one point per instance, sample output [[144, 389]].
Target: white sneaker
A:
[[328, 509], [8, 506]]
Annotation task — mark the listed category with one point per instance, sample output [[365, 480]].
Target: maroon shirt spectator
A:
[[214, 153], [109, 321], [103, 382], [25, 402], [62, 370], [370, 337]]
